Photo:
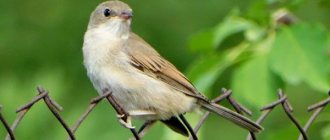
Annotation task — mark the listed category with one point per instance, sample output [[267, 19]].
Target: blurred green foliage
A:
[[237, 44]]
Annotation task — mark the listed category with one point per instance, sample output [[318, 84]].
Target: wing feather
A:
[[146, 59]]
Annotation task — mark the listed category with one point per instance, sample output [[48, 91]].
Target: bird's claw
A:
[[120, 116], [127, 123]]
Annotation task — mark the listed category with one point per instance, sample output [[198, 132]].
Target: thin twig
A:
[[7, 127], [55, 112], [191, 131], [288, 112]]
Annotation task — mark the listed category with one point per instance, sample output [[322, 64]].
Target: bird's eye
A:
[[107, 12]]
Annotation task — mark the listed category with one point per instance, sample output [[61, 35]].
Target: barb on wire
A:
[[317, 108]]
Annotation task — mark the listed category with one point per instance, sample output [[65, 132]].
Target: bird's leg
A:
[[142, 113], [145, 127], [122, 114], [147, 124], [134, 113], [191, 131], [125, 121]]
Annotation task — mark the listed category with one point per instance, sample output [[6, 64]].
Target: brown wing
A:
[[146, 59]]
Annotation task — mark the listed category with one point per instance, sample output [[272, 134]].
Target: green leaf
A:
[[326, 132], [259, 12], [206, 70], [208, 40], [231, 25], [255, 33], [299, 54], [254, 83]]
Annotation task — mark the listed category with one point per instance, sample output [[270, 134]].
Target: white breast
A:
[[103, 58], [108, 67]]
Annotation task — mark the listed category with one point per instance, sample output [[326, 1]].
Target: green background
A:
[[235, 44]]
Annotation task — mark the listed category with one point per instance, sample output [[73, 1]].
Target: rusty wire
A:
[[6, 125], [225, 94], [317, 108], [22, 112], [283, 100], [89, 109], [55, 108]]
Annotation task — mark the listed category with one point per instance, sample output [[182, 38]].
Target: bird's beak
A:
[[126, 15]]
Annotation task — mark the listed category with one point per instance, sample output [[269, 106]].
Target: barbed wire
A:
[[225, 94]]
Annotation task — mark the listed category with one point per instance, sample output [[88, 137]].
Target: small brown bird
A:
[[144, 84]]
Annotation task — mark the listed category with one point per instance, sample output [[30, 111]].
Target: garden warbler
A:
[[143, 83]]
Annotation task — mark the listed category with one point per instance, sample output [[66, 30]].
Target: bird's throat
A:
[[117, 28]]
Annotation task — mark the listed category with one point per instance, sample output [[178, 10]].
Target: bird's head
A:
[[114, 16]]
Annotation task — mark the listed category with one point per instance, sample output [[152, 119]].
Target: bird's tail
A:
[[232, 116]]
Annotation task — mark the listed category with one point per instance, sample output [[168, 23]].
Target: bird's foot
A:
[[126, 123]]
